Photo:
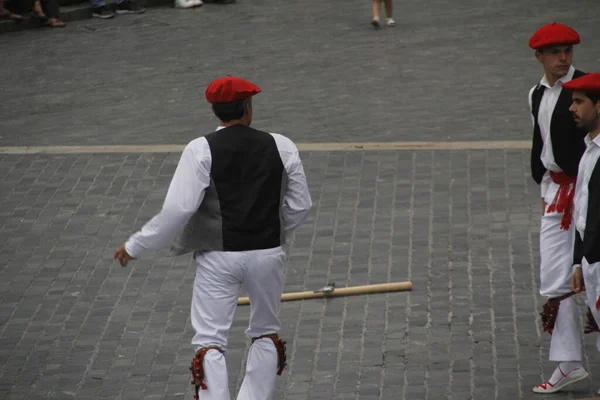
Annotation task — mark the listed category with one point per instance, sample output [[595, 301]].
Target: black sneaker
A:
[[102, 12], [130, 7]]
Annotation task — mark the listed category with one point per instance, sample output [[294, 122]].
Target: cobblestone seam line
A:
[[511, 263], [408, 303], [491, 288]]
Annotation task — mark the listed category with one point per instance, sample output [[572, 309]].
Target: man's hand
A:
[[577, 280], [122, 255]]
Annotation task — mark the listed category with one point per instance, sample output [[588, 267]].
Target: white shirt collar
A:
[[563, 79], [220, 127], [588, 140]]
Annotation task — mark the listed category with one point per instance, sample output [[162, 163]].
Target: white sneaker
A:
[[188, 3], [576, 375], [390, 22]]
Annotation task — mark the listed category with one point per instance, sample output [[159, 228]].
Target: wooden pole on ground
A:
[[335, 292]]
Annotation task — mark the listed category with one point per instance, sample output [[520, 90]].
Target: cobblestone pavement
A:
[[455, 70], [462, 225]]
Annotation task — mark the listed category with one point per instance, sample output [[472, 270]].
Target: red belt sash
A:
[[563, 201]]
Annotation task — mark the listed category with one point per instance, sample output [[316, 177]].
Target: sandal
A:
[[11, 16], [38, 12], [54, 23]]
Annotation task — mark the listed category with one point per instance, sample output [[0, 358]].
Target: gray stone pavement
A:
[[456, 70], [461, 225]]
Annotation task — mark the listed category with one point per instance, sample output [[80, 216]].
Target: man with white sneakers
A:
[[236, 195], [557, 147], [586, 255]]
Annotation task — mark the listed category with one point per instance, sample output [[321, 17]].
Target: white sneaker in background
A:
[[188, 3]]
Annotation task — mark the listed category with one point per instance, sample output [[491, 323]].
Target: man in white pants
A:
[[586, 255], [557, 147], [235, 196]]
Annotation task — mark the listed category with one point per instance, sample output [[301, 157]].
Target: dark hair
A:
[[552, 47], [230, 111], [594, 97]]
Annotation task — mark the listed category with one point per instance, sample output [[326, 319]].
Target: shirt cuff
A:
[[576, 266], [133, 248]]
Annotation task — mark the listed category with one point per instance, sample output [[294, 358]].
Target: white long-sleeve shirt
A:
[[192, 178], [586, 168]]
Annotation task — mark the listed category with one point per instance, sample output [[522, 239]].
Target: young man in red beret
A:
[[557, 147], [235, 196], [586, 255]]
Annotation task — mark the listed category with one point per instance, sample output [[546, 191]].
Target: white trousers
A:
[[219, 277], [556, 268], [591, 277]]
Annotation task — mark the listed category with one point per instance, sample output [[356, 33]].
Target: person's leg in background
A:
[[389, 20], [49, 11], [376, 10], [7, 14]]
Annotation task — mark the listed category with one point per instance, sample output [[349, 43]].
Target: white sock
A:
[[564, 368]]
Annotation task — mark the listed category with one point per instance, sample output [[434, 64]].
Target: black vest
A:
[[590, 246], [241, 209], [567, 140]]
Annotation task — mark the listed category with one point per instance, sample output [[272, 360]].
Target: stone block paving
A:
[[461, 225], [457, 70]]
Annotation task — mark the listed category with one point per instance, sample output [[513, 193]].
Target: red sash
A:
[[563, 201]]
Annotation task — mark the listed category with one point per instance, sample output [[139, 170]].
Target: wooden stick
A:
[[347, 291]]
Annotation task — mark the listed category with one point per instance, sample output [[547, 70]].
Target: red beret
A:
[[230, 88], [587, 83], [553, 34]]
